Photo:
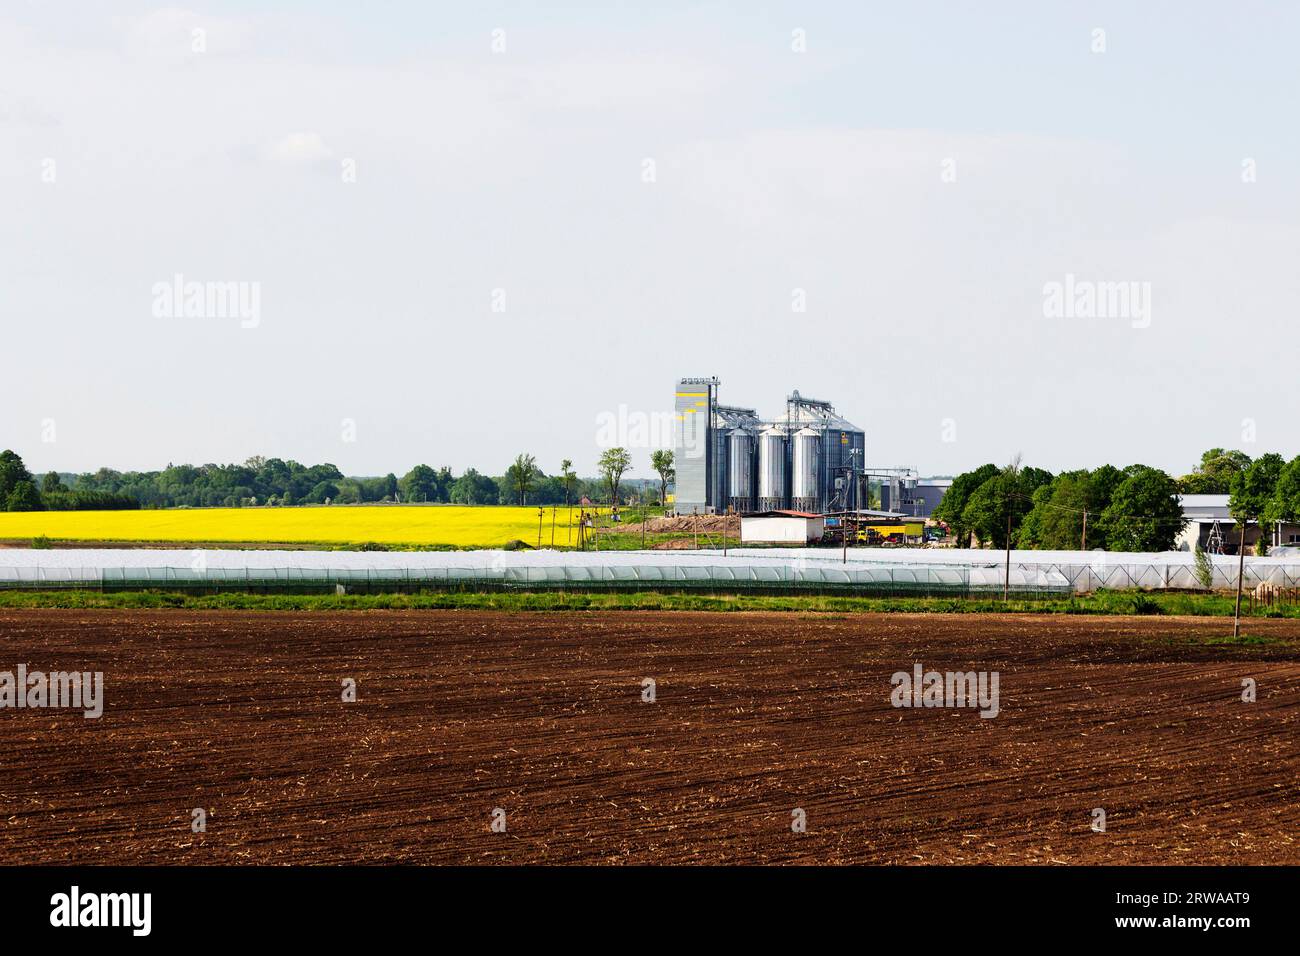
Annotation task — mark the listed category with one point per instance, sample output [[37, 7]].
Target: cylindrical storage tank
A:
[[740, 469], [771, 469], [803, 485]]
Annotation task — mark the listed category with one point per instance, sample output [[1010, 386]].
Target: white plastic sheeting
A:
[[750, 568], [756, 567], [1086, 570]]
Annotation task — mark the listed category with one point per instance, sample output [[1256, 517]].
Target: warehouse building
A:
[[1211, 527], [913, 496], [728, 458], [781, 527]]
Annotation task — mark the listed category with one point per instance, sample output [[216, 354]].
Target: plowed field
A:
[[542, 716]]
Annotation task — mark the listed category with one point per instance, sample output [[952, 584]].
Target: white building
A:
[[781, 527], [1210, 524]]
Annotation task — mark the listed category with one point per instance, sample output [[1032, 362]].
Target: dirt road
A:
[[542, 716]]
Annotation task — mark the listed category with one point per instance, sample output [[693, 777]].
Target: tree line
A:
[[276, 482], [1136, 508]]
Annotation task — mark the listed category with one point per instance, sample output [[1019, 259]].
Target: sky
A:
[[458, 232]]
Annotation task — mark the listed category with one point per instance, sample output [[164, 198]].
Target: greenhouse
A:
[[753, 570], [874, 571]]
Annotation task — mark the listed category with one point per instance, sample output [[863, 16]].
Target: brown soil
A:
[[686, 524], [541, 715]]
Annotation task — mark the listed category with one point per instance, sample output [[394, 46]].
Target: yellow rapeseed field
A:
[[455, 525]]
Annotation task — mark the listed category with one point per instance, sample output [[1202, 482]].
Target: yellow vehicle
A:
[[878, 532]]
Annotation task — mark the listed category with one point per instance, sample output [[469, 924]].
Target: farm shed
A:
[[1210, 526], [781, 527]]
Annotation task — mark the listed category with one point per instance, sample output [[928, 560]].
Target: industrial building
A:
[[729, 459], [912, 496], [1211, 527]]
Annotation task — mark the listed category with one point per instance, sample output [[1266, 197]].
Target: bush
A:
[[1203, 569], [1142, 604]]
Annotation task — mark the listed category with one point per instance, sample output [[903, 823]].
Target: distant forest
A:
[[276, 482]]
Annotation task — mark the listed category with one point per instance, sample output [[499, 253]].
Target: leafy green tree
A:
[[472, 488], [24, 497], [613, 464], [1252, 490], [322, 491], [1031, 479], [1104, 481], [1005, 497], [1285, 505], [569, 477], [1056, 521], [1215, 473], [663, 464], [419, 484], [1252, 494], [952, 506], [522, 476], [349, 493], [445, 480], [1144, 513], [1033, 528], [12, 472], [52, 484]]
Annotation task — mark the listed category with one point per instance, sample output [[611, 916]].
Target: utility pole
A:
[[1241, 570], [1083, 545], [1006, 582], [552, 527], [540, 512], [1010, 475]]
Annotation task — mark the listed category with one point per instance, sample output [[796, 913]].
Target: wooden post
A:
[[1083, 544], [540, 513], [1241, 570], [552, 526]]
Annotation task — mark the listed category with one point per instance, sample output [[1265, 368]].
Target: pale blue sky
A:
[[523, 171]]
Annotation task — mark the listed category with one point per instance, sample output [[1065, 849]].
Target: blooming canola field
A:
[[450, 525]]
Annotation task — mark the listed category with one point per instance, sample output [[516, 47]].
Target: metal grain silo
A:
[[771, 469], [740, 470], [804, 489]]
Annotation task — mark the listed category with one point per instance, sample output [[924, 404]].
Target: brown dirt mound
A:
[[688, 524]]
